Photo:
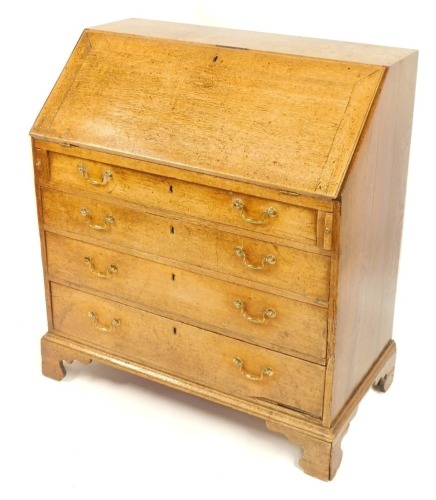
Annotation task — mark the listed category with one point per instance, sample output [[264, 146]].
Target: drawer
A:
[[162, 193], [297, 328], [215, 361], [304, 274]]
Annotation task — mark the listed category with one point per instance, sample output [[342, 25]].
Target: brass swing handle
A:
[[115, 323], [110, 270], [108, 220], [268, 259], [106, 177], [265, 371], [268, 313], [269, 212]]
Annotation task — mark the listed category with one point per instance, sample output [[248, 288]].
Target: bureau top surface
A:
[[271, 118]]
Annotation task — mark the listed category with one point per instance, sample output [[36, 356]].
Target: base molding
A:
[[321, 445], [322, 453]]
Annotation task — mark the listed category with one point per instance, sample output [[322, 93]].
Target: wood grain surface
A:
[[189, 352], [371, 226], [298, 328], [290, 222], [171, 161], [253, 40], [243, 115]]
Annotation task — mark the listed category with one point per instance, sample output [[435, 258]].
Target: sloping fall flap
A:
[[277, 120]]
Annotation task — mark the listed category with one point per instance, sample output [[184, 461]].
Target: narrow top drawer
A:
[[277, 219]]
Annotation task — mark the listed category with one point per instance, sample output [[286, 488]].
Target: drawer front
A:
[[302, 273], [235, 310], [273, 218], [201, 356]]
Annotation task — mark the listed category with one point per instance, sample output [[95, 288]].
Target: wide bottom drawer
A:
[[229, 365]]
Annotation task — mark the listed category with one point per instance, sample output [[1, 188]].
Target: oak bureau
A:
[[220, 211]]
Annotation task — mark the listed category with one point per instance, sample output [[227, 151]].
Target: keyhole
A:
[[215, 59], [170, 189], [173, 277], [172, 229], [174, 330]]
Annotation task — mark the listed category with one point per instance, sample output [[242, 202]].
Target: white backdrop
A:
[[104, 434]]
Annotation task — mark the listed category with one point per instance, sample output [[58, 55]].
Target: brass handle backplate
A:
[[268, 259], [106, 176], [108, 220], [115, 323], [269, 212], [110, 270], [264, 372], [268, 313]]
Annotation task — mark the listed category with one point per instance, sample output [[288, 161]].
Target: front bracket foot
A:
[[321, 458], [53, 355]]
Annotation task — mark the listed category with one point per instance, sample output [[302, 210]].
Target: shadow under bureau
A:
[[220, 211]]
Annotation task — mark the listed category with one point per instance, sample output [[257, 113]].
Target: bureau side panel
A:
[[41, 175], [370, 236]]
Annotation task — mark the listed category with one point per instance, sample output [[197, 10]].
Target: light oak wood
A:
[[371, 233], [172, 172], [241, 87], [303, 431], [386, 376], [187, 351], [304, 274], [180, 197], [323, 142], [272, 42], [289, 222], [322, 452], [320, 458], [53, 358], [298, 328]]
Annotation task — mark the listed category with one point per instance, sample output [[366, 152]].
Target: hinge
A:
[[231, 47], [289, 193]]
